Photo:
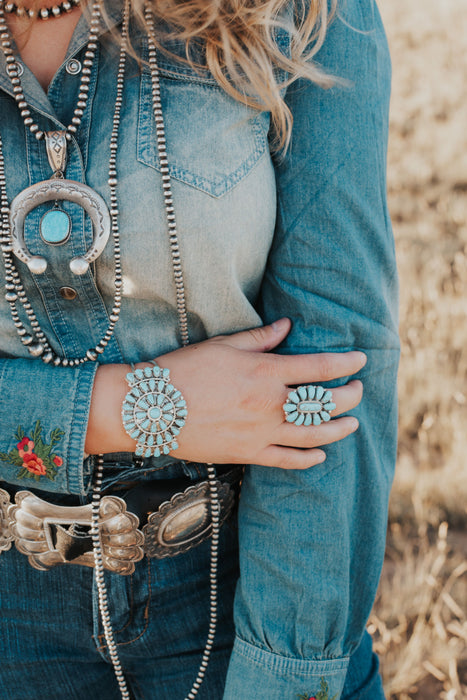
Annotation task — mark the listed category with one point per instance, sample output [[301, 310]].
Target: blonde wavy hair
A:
[[241, 47]]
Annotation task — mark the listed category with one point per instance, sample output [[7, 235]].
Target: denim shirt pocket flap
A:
[[213, 141]]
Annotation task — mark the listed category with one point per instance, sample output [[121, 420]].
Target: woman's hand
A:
[[235, 389]]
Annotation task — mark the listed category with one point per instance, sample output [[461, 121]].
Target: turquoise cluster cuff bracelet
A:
[[309, 405], [153, 411]]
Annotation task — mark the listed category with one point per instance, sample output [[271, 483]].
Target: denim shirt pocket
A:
[[213, 141]]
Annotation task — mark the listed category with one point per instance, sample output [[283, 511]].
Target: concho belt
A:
[[50, 534]]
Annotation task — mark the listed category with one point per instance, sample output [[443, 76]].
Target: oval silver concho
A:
[[185, 520], [54, 191]]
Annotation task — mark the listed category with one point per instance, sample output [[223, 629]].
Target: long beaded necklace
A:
[[58, 188], [36, 340]]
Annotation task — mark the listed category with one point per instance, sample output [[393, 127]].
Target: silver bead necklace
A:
[[211, 472], [36, 340], [58, 188], [44, 13]]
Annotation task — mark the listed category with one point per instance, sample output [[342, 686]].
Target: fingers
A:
[[314, 436], [288, 458], [311, 369], [261, 339], [345, 397]]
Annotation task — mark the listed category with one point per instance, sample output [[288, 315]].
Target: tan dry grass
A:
[[419, 620]]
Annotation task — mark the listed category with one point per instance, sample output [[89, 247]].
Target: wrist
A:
[[105, 432]]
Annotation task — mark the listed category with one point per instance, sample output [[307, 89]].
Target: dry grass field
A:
[[420, 618]]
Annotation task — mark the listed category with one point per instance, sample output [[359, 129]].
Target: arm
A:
[[312, 542], [50, 415], [49, 406]]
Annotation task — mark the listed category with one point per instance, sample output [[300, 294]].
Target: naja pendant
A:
[[55, 225], [56, 190]]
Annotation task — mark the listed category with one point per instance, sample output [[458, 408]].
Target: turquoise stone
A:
[[155, 413], [308, 419], [316, 419], [310, 406], [55, 227], [319, 392], [292, 417], [302, 392]]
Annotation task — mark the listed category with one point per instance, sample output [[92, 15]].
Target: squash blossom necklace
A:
[[55, 229]]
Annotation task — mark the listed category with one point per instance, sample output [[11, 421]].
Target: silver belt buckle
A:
[[185, 520], [36, 524]]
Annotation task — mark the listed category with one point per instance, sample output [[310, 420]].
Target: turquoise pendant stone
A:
[[55, 227]]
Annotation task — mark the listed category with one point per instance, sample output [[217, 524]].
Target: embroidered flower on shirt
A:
[[35, 457], [322, 694]]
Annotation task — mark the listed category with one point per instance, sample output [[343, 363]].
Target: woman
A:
[[188, 227]]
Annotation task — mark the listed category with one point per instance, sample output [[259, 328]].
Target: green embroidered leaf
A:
[[16, 460], [20, 434], [22, 473], [36, 433], [4, 457], [56, 435], [40, 449]]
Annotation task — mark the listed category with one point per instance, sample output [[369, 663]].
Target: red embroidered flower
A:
[[26, 446], [34, 464], [58, 461]]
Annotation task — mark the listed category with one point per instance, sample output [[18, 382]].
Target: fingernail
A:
[[321, 459], [363, 358], [354, 424], [280, 324]]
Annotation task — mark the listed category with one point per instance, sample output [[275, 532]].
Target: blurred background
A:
[[419, 621]]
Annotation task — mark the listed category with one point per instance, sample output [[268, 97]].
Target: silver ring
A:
[[309, 405]]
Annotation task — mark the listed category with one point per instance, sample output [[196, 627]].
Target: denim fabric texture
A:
[[305, 235]]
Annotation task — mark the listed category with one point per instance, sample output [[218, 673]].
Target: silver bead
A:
[[36, 349], [37, 265], [79, 266]]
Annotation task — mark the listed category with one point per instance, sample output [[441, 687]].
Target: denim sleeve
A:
[[43, 418], [312, 542]]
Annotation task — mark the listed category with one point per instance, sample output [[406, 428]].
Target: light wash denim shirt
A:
[[306, 235]]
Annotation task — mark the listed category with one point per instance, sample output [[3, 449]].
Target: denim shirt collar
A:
[[34, 93]]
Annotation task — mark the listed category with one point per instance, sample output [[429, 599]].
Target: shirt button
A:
[[73, 66], [68, 293]]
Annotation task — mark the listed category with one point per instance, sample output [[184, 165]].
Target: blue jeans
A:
[[51, 642]]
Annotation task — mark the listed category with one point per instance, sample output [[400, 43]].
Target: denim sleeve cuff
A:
[[43, 418], [255, 672]]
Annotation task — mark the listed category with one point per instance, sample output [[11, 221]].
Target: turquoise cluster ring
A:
[[309, 405], [153, 411]]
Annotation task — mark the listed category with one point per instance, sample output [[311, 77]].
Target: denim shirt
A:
[[305, 234]]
